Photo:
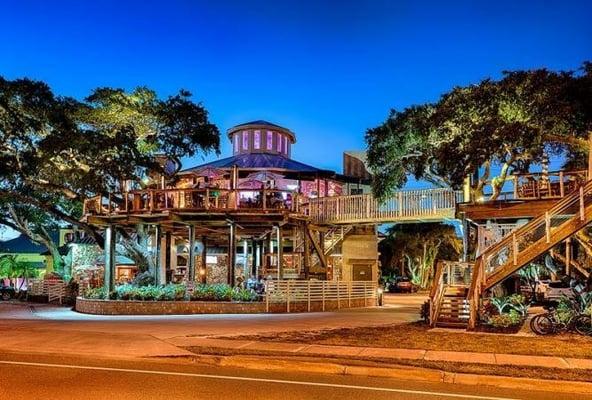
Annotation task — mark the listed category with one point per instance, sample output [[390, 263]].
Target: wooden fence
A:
[[297, 291], [53, 289]]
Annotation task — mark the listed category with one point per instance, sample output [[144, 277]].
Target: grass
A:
[[419, 336], [452, 367]]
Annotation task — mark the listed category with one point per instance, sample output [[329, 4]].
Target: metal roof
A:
[[259, 161]]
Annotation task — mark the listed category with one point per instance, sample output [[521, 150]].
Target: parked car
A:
[[6, 292], [401, 284]]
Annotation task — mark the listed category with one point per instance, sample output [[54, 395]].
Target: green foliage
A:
[[511, 122], [245, 295], [418, 245], [94, 293], [55, 152], [513, 318], [213, 292]]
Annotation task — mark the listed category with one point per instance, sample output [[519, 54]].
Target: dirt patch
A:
[[419, 336]]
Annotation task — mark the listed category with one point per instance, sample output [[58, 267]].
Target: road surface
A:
[[63, 378]]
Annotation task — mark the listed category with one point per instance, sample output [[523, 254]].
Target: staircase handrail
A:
[[565, 201]]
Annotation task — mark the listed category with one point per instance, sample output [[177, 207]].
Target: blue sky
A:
[[327, 70]]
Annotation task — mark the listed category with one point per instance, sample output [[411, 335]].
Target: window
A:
[[279, 143], [269, 143], [245, 140], [236, 143], [257, 140], [285, 145]]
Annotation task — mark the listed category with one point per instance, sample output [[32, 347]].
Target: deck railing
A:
[[538, 185], [341, 292], [425, 204], [212, 199]]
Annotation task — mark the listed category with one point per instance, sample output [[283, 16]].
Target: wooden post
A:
[[306, 254], [561, 184], [548, 226], [280, 251], [308, 295], [589, 156], [109, 272], [157, 254], [568, 256], [288, 296], [203, 274], [514, 248], [515, 186], [231, 253], [582, 209], [191, 261]]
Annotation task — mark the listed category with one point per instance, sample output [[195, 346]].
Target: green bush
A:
[[94, 293], [506, 320], [240, 294]]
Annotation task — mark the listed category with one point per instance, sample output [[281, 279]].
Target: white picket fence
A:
[[53, 289], [292, 291]]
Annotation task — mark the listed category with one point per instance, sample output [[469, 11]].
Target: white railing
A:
[[425, 204], [53, 289], [298, 291]]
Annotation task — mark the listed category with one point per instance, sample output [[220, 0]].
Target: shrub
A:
[[506, 320], [241, 294], [143, 279], [94, 293]]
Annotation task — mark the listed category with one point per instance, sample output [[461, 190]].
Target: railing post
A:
[[288, 295], [349, 288], [561, 184], [308, 295], [207, 199], [266, 298], [323, 293], [264, 199], [548, 226], [515, 186], [400, 204], [515, 248], [582, 210], [151, 200]]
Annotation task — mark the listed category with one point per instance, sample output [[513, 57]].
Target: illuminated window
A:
[[269, 143], [245, 140], [257, 140], [279, 143], [285, 145], [236, 143]]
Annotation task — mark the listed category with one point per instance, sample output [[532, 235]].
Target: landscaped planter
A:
[[137, 307]]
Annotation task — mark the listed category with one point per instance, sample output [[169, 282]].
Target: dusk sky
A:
[[327, 70]]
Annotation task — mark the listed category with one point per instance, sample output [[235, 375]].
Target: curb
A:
[[405, 373]]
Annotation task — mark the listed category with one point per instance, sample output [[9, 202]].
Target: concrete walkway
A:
[[386, 353]]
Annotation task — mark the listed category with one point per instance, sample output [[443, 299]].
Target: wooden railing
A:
[[342, 292], [53, 289], [425, 204], [538, 185], [448, 274], [560, 221], [212, 199]]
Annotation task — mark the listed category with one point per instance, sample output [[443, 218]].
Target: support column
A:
[[157, 254], [280, 250], [257, 259], [306, 254], [203, 273], [246, 269], [191, 261], [568, 256], [109, 273], [231, 254], [166, 271], [465, 237]]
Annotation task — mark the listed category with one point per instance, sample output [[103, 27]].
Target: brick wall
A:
[[131, 307]]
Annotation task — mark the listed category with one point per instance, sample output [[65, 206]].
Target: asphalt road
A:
[[60, 378]]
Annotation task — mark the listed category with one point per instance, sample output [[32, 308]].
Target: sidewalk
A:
[[386, 353]]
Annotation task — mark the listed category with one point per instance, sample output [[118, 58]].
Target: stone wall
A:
[[131, 307]]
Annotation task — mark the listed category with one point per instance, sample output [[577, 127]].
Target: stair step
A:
[[462, 325]]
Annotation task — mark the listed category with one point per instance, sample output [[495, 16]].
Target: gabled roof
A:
[[259, 161]]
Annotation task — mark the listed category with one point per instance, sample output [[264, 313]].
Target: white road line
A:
[[244, 378]]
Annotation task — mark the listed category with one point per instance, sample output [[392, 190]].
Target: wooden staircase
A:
[[449, 306], [454, 308], [565, 218]]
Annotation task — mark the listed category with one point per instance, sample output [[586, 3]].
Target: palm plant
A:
[[12, 268]]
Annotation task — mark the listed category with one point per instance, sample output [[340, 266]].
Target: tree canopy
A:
[[511, 122], [57, 151]]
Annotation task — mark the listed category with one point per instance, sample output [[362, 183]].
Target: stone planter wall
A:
[[134, 307]]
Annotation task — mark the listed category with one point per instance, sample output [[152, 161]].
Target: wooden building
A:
[[244, 216]]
